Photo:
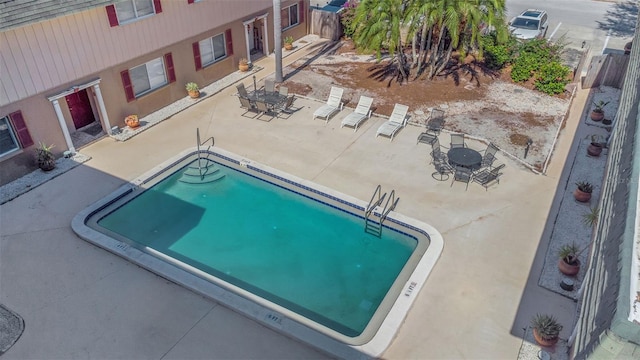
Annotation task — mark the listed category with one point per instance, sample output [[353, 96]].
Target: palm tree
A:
[[440, 27], [379, 24], [277, 39]]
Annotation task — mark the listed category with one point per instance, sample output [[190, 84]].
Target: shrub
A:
[[495, 55], [346, 18], [524, 66], [552, 78]]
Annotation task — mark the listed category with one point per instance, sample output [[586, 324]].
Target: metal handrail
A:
[[373, 205], [199, 143], [391, 200]]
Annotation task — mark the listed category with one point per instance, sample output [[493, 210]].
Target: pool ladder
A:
[[205, 170], [371, 226]]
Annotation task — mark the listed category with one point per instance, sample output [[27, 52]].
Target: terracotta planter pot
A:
[[594, 149], [132, 121], [581, 196], [568, 269], [194, 94], [243, 67], [288, 46], [597, 115], [543, 342]]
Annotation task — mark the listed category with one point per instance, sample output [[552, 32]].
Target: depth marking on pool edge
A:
[[273, 318], [410, 288]]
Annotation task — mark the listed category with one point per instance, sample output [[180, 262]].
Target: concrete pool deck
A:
[[80, 301]]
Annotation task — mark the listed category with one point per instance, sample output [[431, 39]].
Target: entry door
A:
[[80, 108]]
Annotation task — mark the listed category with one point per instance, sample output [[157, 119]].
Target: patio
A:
[[78, 300]]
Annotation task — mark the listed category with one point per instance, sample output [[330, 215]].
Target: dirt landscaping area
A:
[[482, 104]]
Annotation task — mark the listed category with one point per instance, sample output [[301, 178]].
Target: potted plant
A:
[[288, 43], [132, 121], [44, 157], [193, 89], [583, 191], [590, 218], [243, 64], [597, 114], [546, 329], [569, 264], [596, 145]]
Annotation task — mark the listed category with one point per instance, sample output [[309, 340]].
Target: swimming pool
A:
[[260, 245]]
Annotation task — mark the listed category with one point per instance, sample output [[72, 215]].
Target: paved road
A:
[[585, 20]]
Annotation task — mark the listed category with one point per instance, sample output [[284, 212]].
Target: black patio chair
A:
[[435, 123], [488, 177], [489, 156], [443, 169], [286, 106], [457, 141], [462, 174], [436, 152]]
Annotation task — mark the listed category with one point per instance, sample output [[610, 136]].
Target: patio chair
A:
[[248, 106], [269, 86], [457, 140], [462, 174], [488, 177], [436, 152], [263, 108], [435, 123], [242, 91], [442, 169], [489, 155], [397, 121], [360, 114], [283, 91], [286, 106], [333, 105]]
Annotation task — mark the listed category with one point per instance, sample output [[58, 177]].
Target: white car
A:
[[531, 24]]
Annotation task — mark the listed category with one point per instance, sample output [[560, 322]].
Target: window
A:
[[13, 133], [147, 77], [289, 16], [8, 141], [212, 49], [131, 10]]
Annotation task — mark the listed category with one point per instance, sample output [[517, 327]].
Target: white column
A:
[[265, 36], [103, 109], [247, 28], [63, 125]]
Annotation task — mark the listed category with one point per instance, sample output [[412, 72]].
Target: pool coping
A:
[[254, 309]]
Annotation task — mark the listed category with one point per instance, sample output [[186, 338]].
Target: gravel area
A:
[[38, 177], [483, 107], [569, 227]]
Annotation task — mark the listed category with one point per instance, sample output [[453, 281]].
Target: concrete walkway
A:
[[80, 301]]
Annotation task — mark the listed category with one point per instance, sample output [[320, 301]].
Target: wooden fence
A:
[[326, 24], [607, 70]]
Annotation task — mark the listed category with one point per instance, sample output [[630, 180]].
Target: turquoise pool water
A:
[[303, 254]]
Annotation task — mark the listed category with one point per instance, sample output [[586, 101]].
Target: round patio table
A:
[[464, 157]]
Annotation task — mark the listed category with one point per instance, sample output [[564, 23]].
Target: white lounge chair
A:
[[333, 105], [360, 114], [397, 121]]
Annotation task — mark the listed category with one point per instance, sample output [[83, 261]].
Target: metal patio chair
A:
[[488, 177], [457, 140], [489, 156], [462, 174]]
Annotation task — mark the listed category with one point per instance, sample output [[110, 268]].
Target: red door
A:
[[80, 108]]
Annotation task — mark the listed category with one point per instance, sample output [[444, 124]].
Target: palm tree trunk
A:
[[277, 39]]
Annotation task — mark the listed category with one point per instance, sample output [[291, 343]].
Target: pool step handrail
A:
[[199, 144], [389, 205], [370, 225]]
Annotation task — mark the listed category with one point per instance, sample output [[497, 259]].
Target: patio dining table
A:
[[464, 157], [273, 99]]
